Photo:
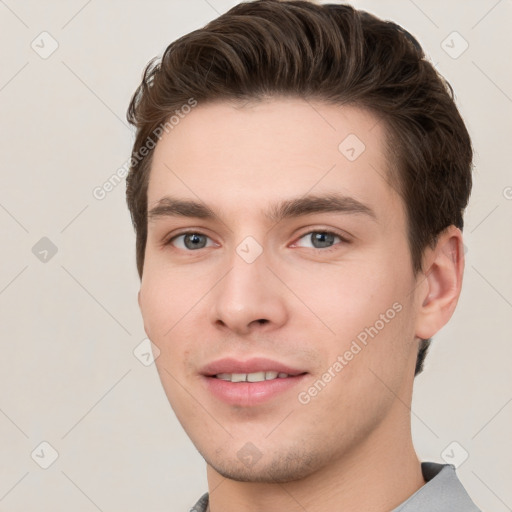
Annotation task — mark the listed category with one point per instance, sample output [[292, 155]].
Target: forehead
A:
[[237, 157]]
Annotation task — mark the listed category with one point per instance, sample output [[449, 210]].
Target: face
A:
[[278, 285]]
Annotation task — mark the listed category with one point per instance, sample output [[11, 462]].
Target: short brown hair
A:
[[332, 53]]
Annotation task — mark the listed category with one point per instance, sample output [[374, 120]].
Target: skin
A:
[[349, 448]]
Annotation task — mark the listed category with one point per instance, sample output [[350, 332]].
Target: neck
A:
[[376, 476]]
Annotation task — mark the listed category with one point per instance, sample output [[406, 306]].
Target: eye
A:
[[191, 241], [319, 240]]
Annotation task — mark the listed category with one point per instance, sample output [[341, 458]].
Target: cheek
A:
[[348, 297], [168, 295], [368, 309], [154, 308], [172, 306], [379, 347]]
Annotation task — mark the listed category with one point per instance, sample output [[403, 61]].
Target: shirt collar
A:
[[442, 492]]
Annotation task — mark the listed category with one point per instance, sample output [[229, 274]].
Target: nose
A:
[[248, 298]]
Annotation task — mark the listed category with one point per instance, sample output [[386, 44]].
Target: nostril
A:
[[262, 321]]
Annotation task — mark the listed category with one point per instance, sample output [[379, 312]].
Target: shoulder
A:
[[201, 505]]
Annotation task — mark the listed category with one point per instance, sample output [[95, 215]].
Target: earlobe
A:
[[444, 268]]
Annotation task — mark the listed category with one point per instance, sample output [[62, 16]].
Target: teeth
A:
[[251, 377], [256, 377]]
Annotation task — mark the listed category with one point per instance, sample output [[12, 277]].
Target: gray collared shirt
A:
[[442, 492]]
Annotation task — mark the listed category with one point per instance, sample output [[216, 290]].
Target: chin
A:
[[281, 468]]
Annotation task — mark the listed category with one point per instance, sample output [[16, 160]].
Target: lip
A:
[[248, 394], [257, 364]]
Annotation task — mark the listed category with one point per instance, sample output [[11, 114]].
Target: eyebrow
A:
[[311, 204], [289, 208]]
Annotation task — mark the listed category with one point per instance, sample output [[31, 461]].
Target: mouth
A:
[[249, 383], [252, 377]]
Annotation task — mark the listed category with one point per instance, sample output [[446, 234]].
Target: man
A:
[[299, 177]]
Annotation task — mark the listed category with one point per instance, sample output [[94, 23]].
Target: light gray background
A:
[[70, 325]]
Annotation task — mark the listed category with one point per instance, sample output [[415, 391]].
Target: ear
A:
[[138, 300], [443, 270]]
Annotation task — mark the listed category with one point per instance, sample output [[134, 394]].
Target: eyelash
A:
[[343, 239]]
